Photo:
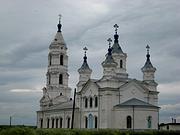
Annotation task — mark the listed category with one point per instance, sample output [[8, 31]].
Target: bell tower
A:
[[57, 74], [119, 56]]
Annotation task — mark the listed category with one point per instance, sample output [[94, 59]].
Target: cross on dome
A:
[[60, 16], [85, 50], [109, 40], [116, 27], [147, 47]]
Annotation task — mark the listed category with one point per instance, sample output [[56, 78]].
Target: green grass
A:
[[32, 131]]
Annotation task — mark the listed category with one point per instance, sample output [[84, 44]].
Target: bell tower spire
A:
[[148, 69], [59, 24], [84, 71]]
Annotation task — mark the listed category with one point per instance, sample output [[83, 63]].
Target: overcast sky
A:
[[27, 28]]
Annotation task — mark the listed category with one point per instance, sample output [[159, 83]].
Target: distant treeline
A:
[[22, 130]]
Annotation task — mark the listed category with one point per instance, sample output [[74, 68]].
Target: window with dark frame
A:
[[60, 124], [47, 123], [121, 64], [86, 122], [91, 102], [60, 79], [57, 122], [129, 122], [95, 120], [61, 59], [68, 122], [96, 102], [86, 102]]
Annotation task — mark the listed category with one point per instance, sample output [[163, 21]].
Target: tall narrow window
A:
[[95, 122], [57, 122], [68, 122], [52, 123], [48, 123], [60, 79], [96, 102], [121, 64], [50, 59], [49, 79], [90, 121], [61, 60], [86, 122], [61, 122], [86, 102], [91, 102], [41, 121], [129, 122], [149, 121]]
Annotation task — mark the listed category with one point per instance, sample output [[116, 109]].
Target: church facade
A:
[[113, 101]]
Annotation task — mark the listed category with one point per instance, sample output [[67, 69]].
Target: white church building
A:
[[112, 101]]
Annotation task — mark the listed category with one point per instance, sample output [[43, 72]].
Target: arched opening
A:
[[90, 121], [95, 121], [121, 64], [68, 122], [60, 79], [48, 123], [61, 122], [57, 122], [49, 79], [86, 122], [41, 123], [61, 59], [50, 59], [129, 122], [90, 102], [149, 122], [86, 102], [96, 102], [52, 123]]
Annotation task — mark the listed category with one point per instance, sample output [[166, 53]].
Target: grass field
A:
[[33, 131]]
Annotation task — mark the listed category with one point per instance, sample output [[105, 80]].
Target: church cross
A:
[[85, 50], [109, 40], [60, 16], [147, 47], [116, 27]]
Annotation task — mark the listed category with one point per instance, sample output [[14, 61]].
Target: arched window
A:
[[95, 122], [60, 79], [90, 121], [61, 60], [96, 102], [48, 123], [49, 79], [121, 64], [52, 123], [129, 122], [61, 122], [86, 102], [41, 122], [50, 59], [90, 102], [149, 122], [68, 122], [86, 122], [57, 122]]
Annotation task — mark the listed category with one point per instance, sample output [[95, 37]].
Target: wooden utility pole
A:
[[72, 122]]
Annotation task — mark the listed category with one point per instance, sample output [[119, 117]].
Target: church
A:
[[113, 101]]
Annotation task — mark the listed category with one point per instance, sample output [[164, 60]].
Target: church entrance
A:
[[90, 121]]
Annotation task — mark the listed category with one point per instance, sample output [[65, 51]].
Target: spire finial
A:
[[148, 55], [85, 57], [116, 36], [109, 49], [116, 28], [59, 25]]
